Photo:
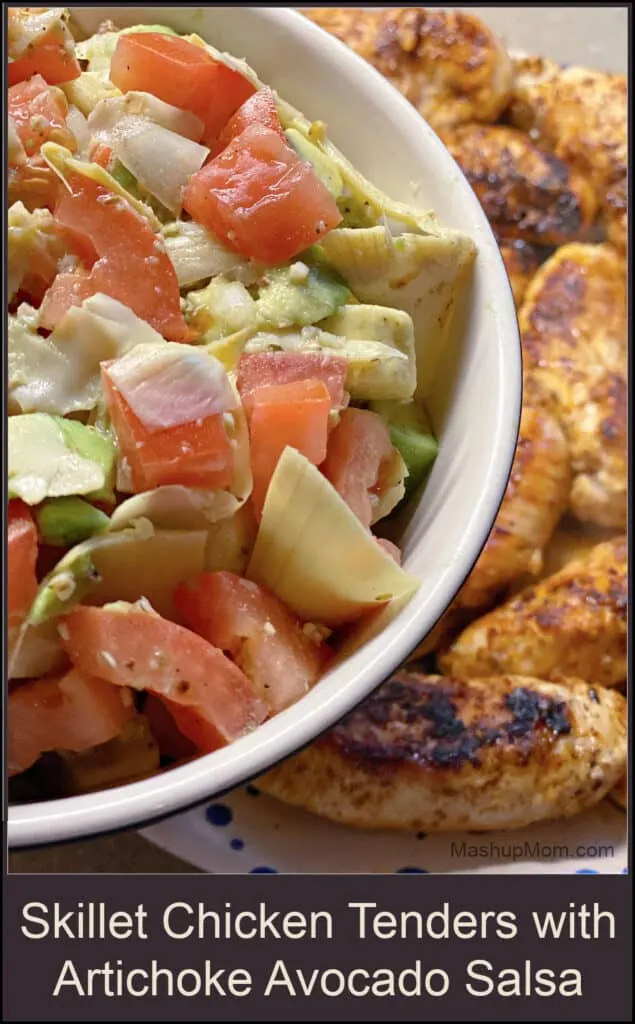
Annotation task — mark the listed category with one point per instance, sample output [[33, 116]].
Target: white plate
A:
[[248, 832], [260, 833]]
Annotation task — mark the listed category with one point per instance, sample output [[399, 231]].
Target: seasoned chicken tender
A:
[[440, 754], [574, 333], [537, 495], [571, 624], [581, 116], [521, 260], [526, 192], [619, 794], [447, 63]]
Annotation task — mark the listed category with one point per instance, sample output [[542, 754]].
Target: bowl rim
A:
[[150, 800]]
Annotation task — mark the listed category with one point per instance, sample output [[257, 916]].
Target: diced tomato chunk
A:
[[197, 454], [260, 198], [102, 154], [257, 630], [261, 369], [161, 716], [73, 712], [66, 290], [357, 447], [47, 56], [261, 108], [39, 114], [182, 74], [133, 647], [285, 415], [132, 267], [22, 549]]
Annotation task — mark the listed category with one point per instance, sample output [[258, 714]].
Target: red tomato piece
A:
[[67, 289], [257, 630], [161, 716], [285, 415], [72, 712], [22, 552], [180, 73], [133, 647], [197, 454], [102, 154], [132, 267], [39, 114], [357, 447], [261, 369], [261, 199], [261, 108], [47, 56]]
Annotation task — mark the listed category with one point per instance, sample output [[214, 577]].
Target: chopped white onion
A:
[[197, 256], [79, 127], [168, 385], [161, 161], [108, 113]]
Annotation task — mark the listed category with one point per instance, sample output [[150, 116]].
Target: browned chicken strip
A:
[[572, 540], [581, 116], [447, 63], [571, 624], [525, 191], [521, 260], [574, 333], [537, 495], [440, 754]]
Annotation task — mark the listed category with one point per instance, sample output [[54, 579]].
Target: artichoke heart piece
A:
[[126, 565], [313, 552], [64, 164], [423, 275], [86, 91], [377, 343], [361, 203], [131, 756], [394, 376]]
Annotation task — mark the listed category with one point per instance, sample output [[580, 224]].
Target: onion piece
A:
[[108, 113], [197, 256], [169, 385], [79, 127], [161, 161]]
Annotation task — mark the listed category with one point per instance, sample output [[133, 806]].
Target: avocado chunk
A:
[[52, 457], [220, 309], [64, 522], [325, 168], [69, 583], [411, 435], [301, 294]]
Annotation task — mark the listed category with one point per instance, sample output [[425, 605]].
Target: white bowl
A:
[[388, 141]]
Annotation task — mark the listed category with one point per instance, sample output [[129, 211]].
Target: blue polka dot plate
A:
[[247, 832]]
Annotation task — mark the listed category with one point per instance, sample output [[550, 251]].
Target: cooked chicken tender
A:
[[447, 63], [440, 754], [537, 495], [581, 116], [526, 192], [619, 794], [571, 624], [521, 260], [571, 541], [574, 333]]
